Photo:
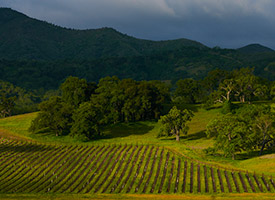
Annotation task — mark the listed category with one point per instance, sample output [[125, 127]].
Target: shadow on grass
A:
[[253, 154], [193, 107], [27, 147], [213, 107], [126, 129], [194, 136]]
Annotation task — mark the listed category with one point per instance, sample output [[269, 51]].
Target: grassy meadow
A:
[[190, 146], [137, 143]]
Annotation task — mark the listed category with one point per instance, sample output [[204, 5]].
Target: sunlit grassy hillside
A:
[[190, 146]]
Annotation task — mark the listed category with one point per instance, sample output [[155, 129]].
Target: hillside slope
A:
[[22, 37], [132, 161], [38, 55], [255, 48]]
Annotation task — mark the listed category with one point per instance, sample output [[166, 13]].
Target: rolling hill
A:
[[37, 55], [141, 169], [22, 37], [255, 48], [127, 162]]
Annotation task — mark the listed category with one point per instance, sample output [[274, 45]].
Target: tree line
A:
[[221, 86], [15, 100], [244, 127], [84, 108]]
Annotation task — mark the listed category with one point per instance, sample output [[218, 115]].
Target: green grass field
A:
[[34, 167], [140, 134]]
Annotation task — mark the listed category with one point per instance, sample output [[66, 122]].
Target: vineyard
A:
[[30, 167]]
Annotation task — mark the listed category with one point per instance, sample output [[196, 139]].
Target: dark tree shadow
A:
[[126, 129], [28, 147], [253, 154], [193, 107], [194, 136], [213, 107]]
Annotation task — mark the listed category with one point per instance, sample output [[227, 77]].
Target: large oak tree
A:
[[175, 122]]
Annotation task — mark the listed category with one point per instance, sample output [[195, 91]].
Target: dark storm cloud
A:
[[226, 23]]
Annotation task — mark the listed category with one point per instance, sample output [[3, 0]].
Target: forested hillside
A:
[[22, 37], [36, 54]]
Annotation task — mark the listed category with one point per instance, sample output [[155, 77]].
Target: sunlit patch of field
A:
[[190, 146], [17, 125], [263, 164]]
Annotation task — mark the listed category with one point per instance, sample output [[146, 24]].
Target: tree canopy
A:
[[84, 108], [87, 122], [55, 115], [229, 134], [251, 128], [174, 123], [15, 100]]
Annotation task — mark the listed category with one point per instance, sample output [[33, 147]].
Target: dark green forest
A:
[[36, 55]]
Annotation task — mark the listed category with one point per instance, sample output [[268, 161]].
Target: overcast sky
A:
[[224, 23]]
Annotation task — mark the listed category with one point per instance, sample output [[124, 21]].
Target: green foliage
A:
[[108, 98], [174, 123], [6, 106], [188, 91], [129, 100], [55, 115], [261, 120], [86, 122], [251, 128], [44, 41], [247, 85], [48, 54], [272, 91], [84, 108], [76, 91], [230, 134], [213, 79], [240, 85], [15, 100], [227, 107]]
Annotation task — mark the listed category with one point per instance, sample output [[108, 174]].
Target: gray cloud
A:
[[226, 23]]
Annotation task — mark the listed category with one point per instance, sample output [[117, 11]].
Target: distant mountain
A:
[[22, 37], [255, 48], [38, 55]]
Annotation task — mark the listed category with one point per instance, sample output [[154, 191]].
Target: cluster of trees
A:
[[84, 108], [225, 86], [6, 105], [250, 128], [184, 62], [15, 100]]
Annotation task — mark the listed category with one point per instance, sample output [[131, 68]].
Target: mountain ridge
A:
[[254, 48], [35, 39], [38, 55]]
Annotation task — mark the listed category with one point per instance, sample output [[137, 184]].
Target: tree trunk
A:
[[242, 99], [177, 137], [228, 96], [262, 148], [233, 156]]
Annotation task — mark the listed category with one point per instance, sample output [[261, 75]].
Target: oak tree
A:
[[175, 122]]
